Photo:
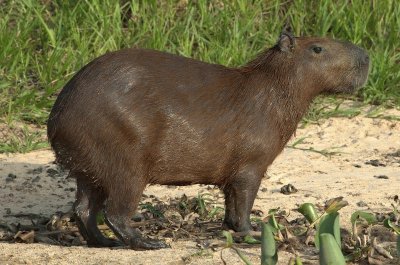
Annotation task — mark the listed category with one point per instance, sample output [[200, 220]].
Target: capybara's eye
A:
[[317, 49]]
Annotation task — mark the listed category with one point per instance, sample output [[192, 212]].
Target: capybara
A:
[[135, 117]]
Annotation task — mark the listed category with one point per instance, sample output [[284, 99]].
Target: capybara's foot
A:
[[226, 225], [105, 242], [147, 244], [237, 228]]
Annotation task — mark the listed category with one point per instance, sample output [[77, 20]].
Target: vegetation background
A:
[[44, 42]]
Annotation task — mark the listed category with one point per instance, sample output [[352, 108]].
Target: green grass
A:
[[43, 43]]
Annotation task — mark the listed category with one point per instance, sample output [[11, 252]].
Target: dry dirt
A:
[[366, 172]]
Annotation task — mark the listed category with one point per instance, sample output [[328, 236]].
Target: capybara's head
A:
[[313, 65], [322, 65]]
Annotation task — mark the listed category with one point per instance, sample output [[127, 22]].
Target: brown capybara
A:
[[136, 117]]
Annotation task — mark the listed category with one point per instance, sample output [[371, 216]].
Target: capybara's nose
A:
[[364, 58]]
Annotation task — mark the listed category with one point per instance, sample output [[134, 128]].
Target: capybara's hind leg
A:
[[120, 207], [89, 202]]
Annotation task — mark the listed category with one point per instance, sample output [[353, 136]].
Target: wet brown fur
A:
[[136, 117]]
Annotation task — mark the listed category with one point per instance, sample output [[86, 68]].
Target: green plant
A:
[[269, 252], [203, 202], [330, 253], [327, 235], [324, 152], [153, 210], [328, 229], [229, 244], [361, 216]]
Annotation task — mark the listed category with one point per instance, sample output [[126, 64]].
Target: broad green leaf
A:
[[309, 212], [369, 217], [329, 224], [330, 253], [269, 254]]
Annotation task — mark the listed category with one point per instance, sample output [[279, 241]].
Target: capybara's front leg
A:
[[239, 199]]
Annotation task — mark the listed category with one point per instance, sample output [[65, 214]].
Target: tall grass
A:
[[43, 43]]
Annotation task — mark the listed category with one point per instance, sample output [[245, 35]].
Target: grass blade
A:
[[229, 238]]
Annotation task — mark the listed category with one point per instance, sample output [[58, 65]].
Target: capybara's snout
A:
[[362, 57], [362, 64]]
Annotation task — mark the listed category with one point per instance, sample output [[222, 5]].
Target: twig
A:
[[381, 250]]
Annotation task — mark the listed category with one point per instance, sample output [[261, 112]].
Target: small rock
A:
[[138, 217], [264, 190], [10, 178], [362, 204], [381, 177], [52, 172], [356, 165], [257, 212], [299, 221], [36, 179], [394, 154], [76, 242], [288, 189], [6, 235], [35, 171], [375, 163], [380, 217]]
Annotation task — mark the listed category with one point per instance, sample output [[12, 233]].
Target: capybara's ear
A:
[[286, 42], [287, 28]]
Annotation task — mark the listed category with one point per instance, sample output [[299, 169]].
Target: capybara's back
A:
[[136, 117]]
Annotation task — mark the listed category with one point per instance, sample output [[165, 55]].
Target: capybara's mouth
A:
[[360, 79], [363, 66], [363, 71], [360, 73]]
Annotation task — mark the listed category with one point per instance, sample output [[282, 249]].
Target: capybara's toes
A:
[[147, 244]]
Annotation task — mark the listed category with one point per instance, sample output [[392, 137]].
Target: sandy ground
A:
[[29, 186]]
